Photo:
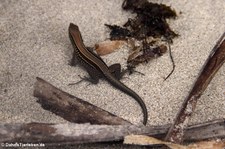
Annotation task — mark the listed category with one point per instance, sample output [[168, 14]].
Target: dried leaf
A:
[[146, 140], [208, 145], [108, 46]]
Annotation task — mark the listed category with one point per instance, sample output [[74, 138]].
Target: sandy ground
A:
[[34, 42]]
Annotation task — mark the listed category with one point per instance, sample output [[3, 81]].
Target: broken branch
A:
[[72, 108], [70, 133], [215, 60]]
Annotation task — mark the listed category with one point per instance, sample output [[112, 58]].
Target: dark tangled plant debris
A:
[[150, 21], [145, 53], [118, 33]]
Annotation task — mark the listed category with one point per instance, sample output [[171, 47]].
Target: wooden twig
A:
[[70, 133], [72, 108], [212, 65]]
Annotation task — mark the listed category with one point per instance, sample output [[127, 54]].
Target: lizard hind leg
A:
[[115, 70]]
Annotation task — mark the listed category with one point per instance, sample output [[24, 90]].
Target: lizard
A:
[[97, 68]]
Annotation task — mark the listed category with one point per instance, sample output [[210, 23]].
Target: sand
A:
[[34, 43]]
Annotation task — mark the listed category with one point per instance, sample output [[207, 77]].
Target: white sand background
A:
[[34, 43]]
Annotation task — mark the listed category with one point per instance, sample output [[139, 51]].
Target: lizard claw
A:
[[82, 79]]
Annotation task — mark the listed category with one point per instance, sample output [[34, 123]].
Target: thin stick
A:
[[173, 63]]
